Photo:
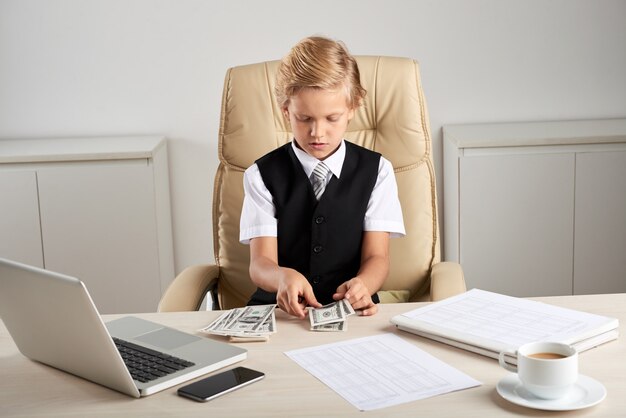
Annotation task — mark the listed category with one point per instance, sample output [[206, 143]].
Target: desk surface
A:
[[28, 388]]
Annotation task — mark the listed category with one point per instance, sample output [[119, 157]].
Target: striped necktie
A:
[[319, 179]]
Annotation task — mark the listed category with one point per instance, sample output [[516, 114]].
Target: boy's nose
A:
[[318, 130]]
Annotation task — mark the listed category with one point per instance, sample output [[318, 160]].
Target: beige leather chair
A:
[[393, 121]]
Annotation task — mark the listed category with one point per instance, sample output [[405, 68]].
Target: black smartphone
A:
[[219, 384]]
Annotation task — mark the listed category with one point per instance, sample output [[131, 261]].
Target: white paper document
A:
[[380, 371], [488, 323]]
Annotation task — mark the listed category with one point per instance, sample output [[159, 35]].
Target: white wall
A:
[[107, 67]]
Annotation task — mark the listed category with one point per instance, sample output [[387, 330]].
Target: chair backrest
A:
[[392, 121]]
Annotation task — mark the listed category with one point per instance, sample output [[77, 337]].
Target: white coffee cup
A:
[[548, 370]]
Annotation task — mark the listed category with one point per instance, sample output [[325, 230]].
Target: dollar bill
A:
[[346, 307], [333, 313], [248, 338], [334, 327], [249, 319], [252, 322], [219, 324], [327, 314]]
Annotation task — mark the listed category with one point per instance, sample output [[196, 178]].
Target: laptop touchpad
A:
[[167, 338]]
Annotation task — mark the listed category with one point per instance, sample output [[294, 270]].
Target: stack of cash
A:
[[331, 317], [251, 323]]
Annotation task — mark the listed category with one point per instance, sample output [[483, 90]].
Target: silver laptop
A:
[[53, 320]]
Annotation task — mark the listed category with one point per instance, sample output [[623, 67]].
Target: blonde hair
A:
[[319, 63]]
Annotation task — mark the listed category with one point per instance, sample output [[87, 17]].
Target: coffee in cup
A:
[[547, 356], [548, 370]]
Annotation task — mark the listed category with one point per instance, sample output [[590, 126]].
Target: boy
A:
[[319, 232]]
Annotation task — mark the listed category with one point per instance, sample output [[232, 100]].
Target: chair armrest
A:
[[189, 288], [393, 296], [446, 279]]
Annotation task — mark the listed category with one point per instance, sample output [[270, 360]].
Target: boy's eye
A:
[[333, 118]]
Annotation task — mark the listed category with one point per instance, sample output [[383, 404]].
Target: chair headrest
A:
[[392, 119]]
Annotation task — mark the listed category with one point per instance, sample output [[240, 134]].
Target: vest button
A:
[[318, 249], [316, 280], [319, 220]]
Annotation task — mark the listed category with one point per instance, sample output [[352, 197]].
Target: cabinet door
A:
[[98, 223], [600, 249], [20, 232], [516, 217]]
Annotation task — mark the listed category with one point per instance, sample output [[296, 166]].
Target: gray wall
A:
[[109, 67]]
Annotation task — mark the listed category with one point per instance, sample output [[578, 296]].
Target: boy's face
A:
[[319, 119]]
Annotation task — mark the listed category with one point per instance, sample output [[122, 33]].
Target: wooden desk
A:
[[32, 389]]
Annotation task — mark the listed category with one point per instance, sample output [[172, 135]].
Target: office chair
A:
[[393, 121]]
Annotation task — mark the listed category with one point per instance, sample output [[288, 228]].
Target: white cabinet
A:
[[20, 230], [535, 209], [94, 208], [600, 251]]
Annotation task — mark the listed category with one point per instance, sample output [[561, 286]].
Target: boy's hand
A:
[[358, 295], [295, 293]]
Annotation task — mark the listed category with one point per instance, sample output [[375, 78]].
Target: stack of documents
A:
[[488, 323], [331, 317], [251, 323]]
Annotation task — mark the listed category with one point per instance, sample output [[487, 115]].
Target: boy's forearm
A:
[[373, 272], [264, 273]]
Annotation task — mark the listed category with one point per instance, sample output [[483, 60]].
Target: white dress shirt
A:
[[258, 215]]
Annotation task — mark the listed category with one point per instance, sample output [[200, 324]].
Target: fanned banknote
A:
[[250, 323]]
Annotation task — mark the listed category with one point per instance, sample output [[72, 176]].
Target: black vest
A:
[[321, 240]]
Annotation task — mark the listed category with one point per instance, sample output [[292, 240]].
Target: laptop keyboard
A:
[[145, 364]]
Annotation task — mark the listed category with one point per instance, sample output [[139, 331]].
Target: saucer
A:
[[586, 392]]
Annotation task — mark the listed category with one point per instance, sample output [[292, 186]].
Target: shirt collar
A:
[[308, 162]]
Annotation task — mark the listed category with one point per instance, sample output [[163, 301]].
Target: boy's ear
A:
[[351, 113]]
